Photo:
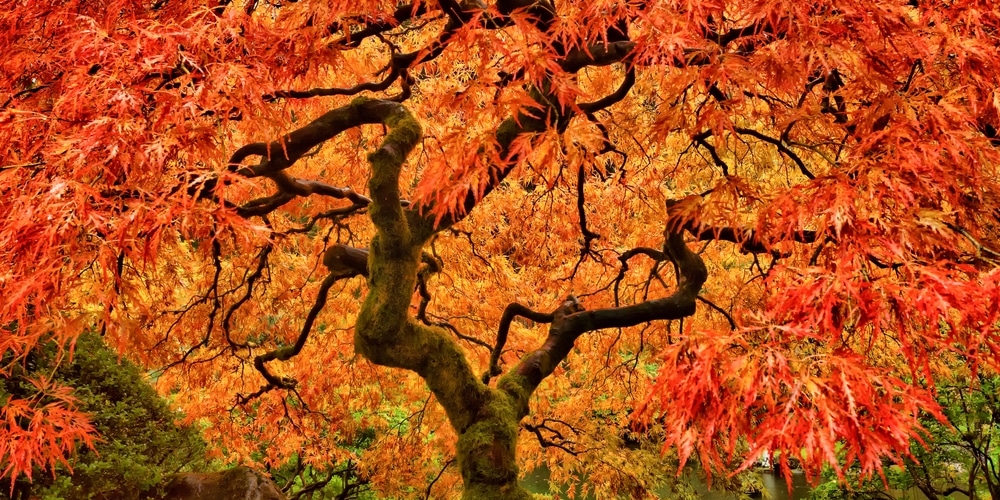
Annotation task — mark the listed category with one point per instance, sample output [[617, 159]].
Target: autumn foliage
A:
[[451, 241]]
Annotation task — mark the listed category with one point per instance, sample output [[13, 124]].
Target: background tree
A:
[[743, 225], [960, 456]]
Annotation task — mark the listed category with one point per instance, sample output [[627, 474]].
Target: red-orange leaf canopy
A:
[[778, 220]]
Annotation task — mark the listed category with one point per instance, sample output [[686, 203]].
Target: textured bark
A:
[[486, 419]]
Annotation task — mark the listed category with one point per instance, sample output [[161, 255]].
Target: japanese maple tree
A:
[[450, 241]]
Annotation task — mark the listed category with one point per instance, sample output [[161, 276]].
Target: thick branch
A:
[[760, 27], [571, 320], [265, 205], [749, 240], [283, 153], [598, 54], [617, 96], [346, 261], [509, 313], [385, 333]]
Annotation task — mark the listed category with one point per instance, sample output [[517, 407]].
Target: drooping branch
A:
[[287, 352], [542, 13], [250, 281], [700, 140], [778, 143]]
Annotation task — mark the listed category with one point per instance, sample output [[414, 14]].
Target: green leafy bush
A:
[[139, 439]]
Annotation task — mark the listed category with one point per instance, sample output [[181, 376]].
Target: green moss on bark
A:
[[487, 453]]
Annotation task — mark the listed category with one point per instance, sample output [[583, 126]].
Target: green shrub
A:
[[139, 440]]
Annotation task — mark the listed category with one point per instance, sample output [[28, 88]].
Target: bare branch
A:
[[287, 352]]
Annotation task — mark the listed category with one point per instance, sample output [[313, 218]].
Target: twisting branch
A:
[[284, 152], [277, 156], [265, 205], [609, 100], [433, 265], [393, 75], [588, 235], [561, 442], [335, 214], [625, 257], [571, 320], [512, 311], [287, 352], [385, 332]]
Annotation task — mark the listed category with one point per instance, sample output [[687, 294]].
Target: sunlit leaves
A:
[[46, 429], [864, 123]]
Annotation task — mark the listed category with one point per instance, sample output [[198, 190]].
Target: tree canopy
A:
[[489, 236]]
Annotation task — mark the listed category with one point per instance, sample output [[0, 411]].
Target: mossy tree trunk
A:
[[485, 418]]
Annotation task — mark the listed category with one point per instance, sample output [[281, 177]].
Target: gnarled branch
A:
[[571, 320]]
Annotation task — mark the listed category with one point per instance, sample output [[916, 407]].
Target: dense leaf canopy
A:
[[727, 226]]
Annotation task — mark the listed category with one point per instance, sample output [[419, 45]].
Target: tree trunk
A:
[[487, 452], [485, 418]]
